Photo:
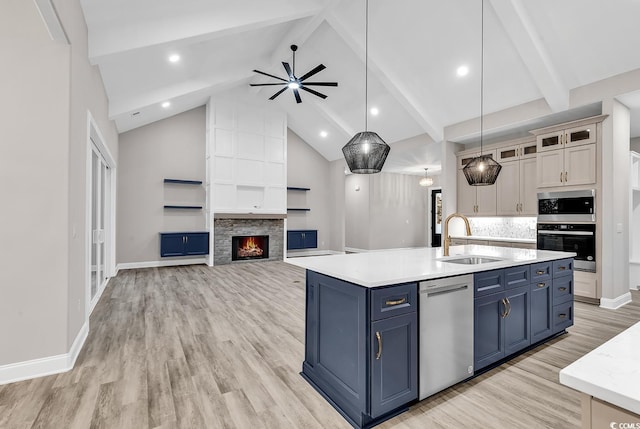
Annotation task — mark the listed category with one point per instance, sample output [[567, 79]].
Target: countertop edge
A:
[[606, 371], [416, 277]]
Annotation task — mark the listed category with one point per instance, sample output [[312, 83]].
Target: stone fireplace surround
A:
[[225, 227]]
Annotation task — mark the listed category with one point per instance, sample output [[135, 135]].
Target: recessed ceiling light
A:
[[323, 133], [174, 58], [374, 111], [166, 104], [462, 71]]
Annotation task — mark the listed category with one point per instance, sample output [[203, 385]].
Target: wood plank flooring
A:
[[221, 347]]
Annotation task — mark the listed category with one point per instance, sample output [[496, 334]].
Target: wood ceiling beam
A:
[[392, 81], [533, 52]]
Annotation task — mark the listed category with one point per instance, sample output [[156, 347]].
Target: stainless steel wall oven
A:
[[578, 238]]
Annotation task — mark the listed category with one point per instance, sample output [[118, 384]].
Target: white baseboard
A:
[[355, 250], [615, 303], [152, 264], [45, 366]]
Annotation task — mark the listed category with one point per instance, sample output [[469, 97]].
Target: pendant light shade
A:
[[426, 180], [366, 152], [482, 170]]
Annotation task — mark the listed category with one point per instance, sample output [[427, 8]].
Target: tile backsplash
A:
[[507, 227]]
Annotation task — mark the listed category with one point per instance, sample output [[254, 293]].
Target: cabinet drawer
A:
[[563, 289], [562, 267], [488, 282], [541, 272], [394, 300], [562, 316], [517, 276]]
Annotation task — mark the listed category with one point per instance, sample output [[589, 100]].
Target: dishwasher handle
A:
[[443, 289]]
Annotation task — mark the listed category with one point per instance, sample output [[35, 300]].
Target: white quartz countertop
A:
[[610, 372], [488, 238], [387, 267]]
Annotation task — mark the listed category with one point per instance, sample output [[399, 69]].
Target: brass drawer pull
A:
[[562, 315], [562, 289], [542, 284], [396, 302], [540, 272], [562, 268], [379, 346]]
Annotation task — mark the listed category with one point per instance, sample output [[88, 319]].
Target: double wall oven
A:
[[566, 222]]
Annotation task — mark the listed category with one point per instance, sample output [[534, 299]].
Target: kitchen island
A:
[[387, 328], [609, 379]]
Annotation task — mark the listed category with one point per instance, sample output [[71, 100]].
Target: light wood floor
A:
[[200, 347]]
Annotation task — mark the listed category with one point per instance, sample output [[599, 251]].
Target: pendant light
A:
[[426, 181], [482, 170], [366, 152]]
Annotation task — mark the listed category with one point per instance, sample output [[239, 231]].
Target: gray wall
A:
[[306, 168], [635, 144], [171, 148], [385, 211], [47, 87]]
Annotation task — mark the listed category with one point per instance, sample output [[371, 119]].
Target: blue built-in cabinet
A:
[[361, 348], [520, 306], [302, 239], [184, 243]]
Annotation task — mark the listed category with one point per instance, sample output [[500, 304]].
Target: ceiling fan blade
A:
[[297, 94], [270, 75], [317, 69], [314, 92], [278, 93], [268, 84], [321, 83], [288, 70]]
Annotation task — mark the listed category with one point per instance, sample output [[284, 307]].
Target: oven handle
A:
[[565, 233]]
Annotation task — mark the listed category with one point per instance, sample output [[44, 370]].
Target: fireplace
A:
[[246, 247]]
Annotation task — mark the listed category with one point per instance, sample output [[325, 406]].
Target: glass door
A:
[[100, 175]]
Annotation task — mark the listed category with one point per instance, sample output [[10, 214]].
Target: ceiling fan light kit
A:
[[366, 152], [293, 82], [482, 170]]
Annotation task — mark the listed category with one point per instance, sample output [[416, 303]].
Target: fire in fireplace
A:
[[245, 247]]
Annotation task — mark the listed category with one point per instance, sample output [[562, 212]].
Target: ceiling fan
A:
[[294, 82]]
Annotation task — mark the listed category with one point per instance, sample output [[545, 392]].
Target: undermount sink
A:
[[470, 260]]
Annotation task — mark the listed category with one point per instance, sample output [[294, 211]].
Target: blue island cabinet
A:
[[518, 307], [361, 350]]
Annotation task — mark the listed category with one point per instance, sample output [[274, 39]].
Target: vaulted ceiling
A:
[[533, 50]]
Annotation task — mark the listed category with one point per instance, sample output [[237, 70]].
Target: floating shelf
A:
[[184, 207], [294, 188], [184, 182], [298, 210]]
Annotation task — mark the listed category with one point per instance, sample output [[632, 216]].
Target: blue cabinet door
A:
[[337, 341], [171, 244], [541, 310], [294, 240], [488, 327], [196, 243], [394, 362], [517, 321], [310, 239]]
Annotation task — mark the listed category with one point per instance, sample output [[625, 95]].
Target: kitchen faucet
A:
[[447, 238]]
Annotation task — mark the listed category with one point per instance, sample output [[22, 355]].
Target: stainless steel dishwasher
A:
[[446, 333]]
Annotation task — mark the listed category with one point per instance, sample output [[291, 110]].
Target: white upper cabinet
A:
[[474, 200], [567, 156]]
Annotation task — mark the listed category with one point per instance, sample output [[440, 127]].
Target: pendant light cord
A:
[[366, 66], [481, 75]]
